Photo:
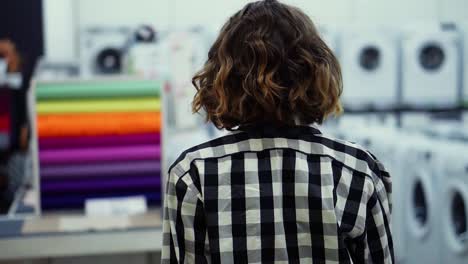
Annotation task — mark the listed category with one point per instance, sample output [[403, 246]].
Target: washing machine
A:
[[369, 61], [102, 50], [454, 203], [421, 192], [389, 146], [430, 67]]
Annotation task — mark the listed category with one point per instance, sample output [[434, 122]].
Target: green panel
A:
[[98, 89]]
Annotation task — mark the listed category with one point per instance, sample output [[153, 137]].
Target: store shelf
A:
[[85, 244], [405, 109]]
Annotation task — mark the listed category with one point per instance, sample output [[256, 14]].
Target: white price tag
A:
[[97, 223], [116, 206]]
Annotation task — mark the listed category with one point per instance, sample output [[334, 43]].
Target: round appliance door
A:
[[419, 209], [431, 56], [370, 58], [109, 61], [455, 217]]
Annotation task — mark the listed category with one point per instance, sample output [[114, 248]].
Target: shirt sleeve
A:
[[375, 244], [184, 228]]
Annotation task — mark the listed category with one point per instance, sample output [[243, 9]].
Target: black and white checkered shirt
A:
[[269, 195]]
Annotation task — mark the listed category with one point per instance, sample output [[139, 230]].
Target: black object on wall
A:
[[21, 22]]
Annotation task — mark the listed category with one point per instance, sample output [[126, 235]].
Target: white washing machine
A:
[[421, 204], [369, 61], [389, 145], [454, 204], [102, 50], [430, 67]]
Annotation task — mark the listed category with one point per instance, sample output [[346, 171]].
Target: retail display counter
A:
[[61, 235]]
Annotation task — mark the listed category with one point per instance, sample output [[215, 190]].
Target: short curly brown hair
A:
[[268, 66]]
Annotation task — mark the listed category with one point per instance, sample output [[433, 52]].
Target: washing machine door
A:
[[455, 224], [370, 58], [420, 201], [109, 61], [432, 56]]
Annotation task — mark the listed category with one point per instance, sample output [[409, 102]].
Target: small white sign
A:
[[95, 223], [116, 206]]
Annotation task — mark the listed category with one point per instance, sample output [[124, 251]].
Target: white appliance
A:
[[430, 67], [422, 207], [102, 50], [454, 204], [186, 52], [369, 61], [389, 146], [144, 55]]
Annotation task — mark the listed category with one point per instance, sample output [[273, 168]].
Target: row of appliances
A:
[[418, 66], [382, 67], [430, 185]]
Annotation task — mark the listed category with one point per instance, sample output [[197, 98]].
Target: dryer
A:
[[421, 203], [454, 203], [430, 67], [369, 61]]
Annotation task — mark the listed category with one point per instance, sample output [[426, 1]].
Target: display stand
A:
[[39, 235], [36, 238]]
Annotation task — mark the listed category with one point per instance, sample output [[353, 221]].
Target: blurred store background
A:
[[95, 105]]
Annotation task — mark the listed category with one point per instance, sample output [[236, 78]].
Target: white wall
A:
[[453, 10], [59, 30], [395, 11], [164, 14], [124, 12], [212, 13]]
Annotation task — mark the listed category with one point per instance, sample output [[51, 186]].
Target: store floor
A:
[[143, 258]]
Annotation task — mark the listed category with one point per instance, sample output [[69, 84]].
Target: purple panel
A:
[[101, 170], [97, 155], [99, 141], [105, 185], [78, 201]]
